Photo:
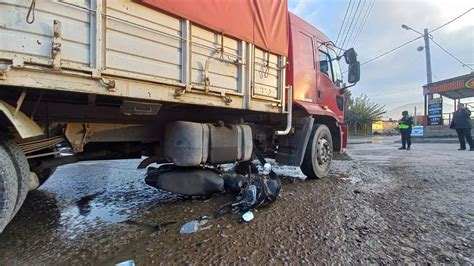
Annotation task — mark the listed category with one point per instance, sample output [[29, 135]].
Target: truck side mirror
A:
[[354, 72], [350, 56]]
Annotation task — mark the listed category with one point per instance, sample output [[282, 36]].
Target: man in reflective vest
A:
[[405, 125]]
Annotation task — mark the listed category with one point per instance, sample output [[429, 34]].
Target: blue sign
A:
[[417, 131], [435, 111]]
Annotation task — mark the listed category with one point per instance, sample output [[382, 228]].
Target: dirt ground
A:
[[380, 205]]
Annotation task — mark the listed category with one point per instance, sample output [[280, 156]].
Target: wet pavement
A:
[[381, 205]]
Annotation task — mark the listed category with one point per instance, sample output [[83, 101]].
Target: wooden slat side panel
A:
[[35, 40], [143, 41], [206, 47], [267, 75]]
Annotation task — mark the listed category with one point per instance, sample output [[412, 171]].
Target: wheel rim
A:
[[323, 151]]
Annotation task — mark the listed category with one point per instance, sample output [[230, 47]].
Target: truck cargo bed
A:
[[122, 48]]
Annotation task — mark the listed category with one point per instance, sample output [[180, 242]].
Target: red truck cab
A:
[[316, 77]]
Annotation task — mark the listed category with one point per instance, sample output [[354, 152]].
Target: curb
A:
[[434, 140]]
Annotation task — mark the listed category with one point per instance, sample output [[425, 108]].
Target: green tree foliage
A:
[[361, 111], [348, 98]]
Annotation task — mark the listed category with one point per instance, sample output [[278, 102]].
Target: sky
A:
[[396, 79]]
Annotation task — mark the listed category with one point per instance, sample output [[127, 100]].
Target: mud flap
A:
[[292, 146], [25, 127]]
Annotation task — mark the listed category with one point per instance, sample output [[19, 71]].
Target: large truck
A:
[[178, 82]]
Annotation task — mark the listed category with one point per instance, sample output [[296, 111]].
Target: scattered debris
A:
[[154, 227], [195, 225], [258, 190], [343, 178], [247, 216], [206, 228], [126, 263], [158, 227]]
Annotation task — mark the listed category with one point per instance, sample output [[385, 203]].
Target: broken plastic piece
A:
[[267, 168], [195, 225], [247, 216], [126, 263]]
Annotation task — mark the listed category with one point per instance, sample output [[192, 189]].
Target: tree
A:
[[361, 111], [348, 98]]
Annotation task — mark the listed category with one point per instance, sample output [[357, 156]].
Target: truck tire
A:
[[8, 188], [319, 151], [22, 170]]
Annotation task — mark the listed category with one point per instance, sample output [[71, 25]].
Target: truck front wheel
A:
[[319, 151], [8, 188]]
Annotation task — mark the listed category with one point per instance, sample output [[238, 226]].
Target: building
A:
[[384, 127], [437, 122]]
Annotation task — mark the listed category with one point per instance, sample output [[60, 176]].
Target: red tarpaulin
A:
[[261, 22]]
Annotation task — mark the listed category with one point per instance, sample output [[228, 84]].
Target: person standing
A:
[[405, 125], [462, 124]]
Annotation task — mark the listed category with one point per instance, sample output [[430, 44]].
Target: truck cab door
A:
[[329, 81], [305, 68]]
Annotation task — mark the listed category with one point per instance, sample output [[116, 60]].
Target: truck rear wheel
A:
[[8, 188], [22, 170], [318, 155]]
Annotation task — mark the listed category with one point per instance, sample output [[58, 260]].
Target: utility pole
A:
[[429, 78]]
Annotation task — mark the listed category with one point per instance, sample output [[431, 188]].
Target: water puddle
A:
[[88, 212]]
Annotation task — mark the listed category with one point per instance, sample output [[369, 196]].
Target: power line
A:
[[391, 50], [350, 25], [450, 54], [343, 21], [411, 62], [395, 92], [356, 22], [405, 44], [367, 15], [347, 22], [362, 24], [454, 19]]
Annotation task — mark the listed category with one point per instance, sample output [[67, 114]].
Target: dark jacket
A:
[[406, 122], [461, 119]]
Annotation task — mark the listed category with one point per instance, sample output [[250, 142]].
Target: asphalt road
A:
[[381, 205]]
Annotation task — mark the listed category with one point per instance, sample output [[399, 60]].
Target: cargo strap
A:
[[222, 47]]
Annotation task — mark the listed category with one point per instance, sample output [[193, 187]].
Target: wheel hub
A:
[[324, 151]]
